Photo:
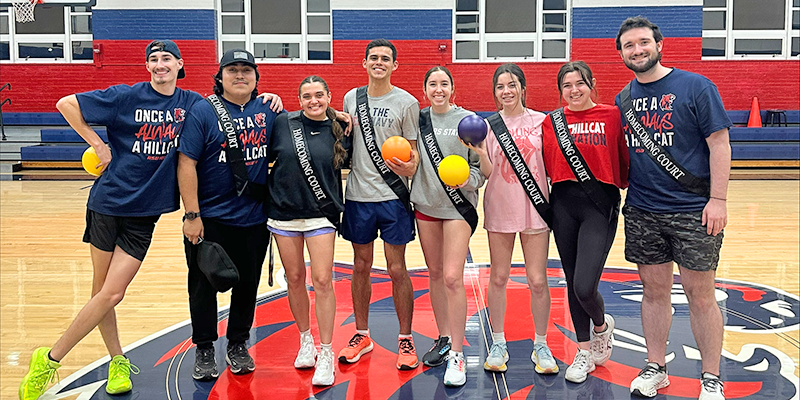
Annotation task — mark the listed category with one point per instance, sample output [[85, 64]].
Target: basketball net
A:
[[24, 10]]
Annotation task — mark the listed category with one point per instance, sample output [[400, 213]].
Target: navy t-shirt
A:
[[143, 127], [682, 109], [202, 140]]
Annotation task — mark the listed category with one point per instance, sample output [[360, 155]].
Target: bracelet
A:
[[719, 198]]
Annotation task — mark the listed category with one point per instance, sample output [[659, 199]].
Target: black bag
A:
[[215, 264]]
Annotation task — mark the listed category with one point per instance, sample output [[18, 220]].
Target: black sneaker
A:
[[205, 365], [437, 355], [239, 359]]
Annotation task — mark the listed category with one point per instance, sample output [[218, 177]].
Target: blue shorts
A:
[[308, 234], [362, 221]]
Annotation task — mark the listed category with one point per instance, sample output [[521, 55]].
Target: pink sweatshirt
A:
[[506, 207]]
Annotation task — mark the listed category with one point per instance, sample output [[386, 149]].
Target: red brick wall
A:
[[37, 87]]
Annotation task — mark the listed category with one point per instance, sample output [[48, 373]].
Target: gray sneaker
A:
[[543, 358], [239, 359], [205, 365], [497, 358]]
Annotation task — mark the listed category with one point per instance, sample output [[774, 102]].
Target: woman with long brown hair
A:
[[305, 204]]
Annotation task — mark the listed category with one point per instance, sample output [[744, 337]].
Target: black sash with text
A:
[[578, 165], [460, 202], [658, 153], [517, 162], [368, 132], [324, 200], [234, 153]]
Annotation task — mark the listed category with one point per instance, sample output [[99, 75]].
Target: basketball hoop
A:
[[24, 10]]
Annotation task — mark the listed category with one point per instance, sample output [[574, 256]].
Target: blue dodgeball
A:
[[472, 129]]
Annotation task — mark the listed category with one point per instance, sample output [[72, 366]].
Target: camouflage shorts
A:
[[660, 238]]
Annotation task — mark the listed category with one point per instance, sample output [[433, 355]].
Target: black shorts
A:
[[132, 234], [652, 239]]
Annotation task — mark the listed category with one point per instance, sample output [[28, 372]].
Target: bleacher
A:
[[765, 147], [775, 145]]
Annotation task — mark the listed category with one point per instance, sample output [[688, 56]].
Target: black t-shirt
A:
[[290, 196]]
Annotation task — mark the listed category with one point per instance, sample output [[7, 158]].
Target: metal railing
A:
[[2, 103]]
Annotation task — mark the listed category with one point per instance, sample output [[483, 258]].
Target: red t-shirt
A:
[[597, 133]]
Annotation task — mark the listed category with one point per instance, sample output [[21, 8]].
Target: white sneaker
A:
[[307, 354], [543, 358], [581, 366], [497, 358], [456, 373], [323, 375], [603, 343], [711, 388], [650, 379]]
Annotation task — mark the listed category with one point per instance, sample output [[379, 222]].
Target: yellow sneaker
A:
[[41, 372], [119, 375]]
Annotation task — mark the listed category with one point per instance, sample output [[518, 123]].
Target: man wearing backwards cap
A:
[[217, 211], [143, 122]]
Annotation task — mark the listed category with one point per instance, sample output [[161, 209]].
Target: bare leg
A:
[[294, 266], [121, 271], [320, 249], [455, 255], [361, 289], [431, 240], [402, 291], [101, 260], [534, 249], [704, 315], [501, 246], [656, 309]]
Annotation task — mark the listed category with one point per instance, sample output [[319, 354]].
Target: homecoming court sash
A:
[[324, 200], [368, 132], [658, 153], [460, 202], [234, 154], [517, 162], [589, 184]]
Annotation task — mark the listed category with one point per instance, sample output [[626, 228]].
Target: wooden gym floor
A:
[[45, 270]]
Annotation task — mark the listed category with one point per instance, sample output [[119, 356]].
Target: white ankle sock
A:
[[498, 337]]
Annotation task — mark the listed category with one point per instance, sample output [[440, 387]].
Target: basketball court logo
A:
[[756, 371]]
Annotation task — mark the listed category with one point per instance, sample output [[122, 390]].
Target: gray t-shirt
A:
[[393, 114], [427, 192]]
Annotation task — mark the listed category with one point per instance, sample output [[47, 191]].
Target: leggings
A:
[[583, 237]]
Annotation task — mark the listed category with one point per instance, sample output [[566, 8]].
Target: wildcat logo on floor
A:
[[756, 371]]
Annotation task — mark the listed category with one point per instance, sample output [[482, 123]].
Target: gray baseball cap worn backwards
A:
[[170, 47]]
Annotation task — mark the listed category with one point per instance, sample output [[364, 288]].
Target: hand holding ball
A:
[[453, 170], [396, 146], [472, 129], [90, 160]]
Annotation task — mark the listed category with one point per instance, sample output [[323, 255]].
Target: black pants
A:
[[583, 236], [247, 248]]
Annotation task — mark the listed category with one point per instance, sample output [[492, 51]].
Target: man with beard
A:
[[675, 211]]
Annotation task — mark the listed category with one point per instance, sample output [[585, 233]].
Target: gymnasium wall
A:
[[422, 32]]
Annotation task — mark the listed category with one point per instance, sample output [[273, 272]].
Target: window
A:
[[59, 34], [277, 30], [751, 29], [511, 30]]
